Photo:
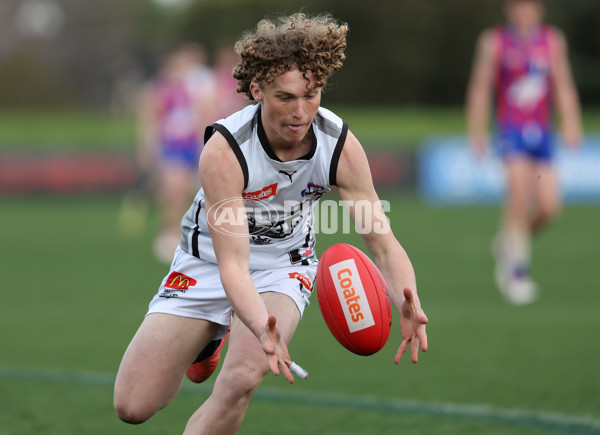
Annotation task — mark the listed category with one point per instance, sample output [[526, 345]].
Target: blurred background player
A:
[[523, 65], [175, 108], [228, 100]]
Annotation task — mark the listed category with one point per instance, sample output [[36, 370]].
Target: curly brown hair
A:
[[300, 42]]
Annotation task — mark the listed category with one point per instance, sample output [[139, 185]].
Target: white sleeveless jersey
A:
[[278, 196]]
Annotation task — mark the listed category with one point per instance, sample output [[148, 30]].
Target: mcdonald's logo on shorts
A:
[[179, 281]]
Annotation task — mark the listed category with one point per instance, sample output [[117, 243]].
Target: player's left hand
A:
[[479, 148], [412, 326], [276, 350]]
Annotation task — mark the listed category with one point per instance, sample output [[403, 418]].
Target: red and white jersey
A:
[[179, 107], [278, 196], [523, 76]]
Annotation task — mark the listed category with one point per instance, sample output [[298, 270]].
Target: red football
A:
[[354, 299]]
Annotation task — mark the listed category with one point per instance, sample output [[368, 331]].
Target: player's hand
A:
[[479, 148], [276, 350], [572, 137], [412, 326]]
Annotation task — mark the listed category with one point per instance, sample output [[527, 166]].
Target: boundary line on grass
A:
[[548, 421]]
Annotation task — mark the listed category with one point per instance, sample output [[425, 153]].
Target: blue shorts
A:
[[529, 140], [185, 153]]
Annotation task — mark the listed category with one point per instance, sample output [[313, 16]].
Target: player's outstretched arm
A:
[[357, 190], [565, 91], [226, 217]]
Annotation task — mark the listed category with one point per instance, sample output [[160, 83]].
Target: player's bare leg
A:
[[177, 184], [548, 204], [244, 368], [514, 240], [154, 364]]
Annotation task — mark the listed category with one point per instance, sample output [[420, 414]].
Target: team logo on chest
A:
[[313, 189]]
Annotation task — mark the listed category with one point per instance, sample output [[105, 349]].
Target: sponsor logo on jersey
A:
[[301, 255], [289, 174], [304, 280], [179, 281], [351, 294], [259, 195], [313, 189]]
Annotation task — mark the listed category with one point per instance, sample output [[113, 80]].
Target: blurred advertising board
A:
[[393, 168], [65, 173], [68, 173], [449, 174]]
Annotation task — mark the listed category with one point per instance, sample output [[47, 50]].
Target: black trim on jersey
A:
[[337, 152], [262, 136], [195, 250], [233, 144], [208, 132]]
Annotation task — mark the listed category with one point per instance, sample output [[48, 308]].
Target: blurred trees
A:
[[406, 51], [400, 51], [67, 52]]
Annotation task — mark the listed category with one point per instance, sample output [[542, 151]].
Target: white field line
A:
[[549, 421]]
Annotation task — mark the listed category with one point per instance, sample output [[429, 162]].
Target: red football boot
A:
[[206, 362]]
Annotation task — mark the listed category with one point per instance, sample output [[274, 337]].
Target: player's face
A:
[[289, 105], [524, 14]]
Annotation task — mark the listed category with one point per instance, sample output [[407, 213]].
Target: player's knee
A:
[[131, 412], [239, 383], [549, 211]]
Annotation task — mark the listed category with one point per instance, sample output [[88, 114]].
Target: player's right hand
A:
[[412, 327], [276, 350]]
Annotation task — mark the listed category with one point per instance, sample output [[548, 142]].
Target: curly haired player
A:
[[240, 257]]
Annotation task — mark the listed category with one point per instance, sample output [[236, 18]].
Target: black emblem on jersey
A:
[[302, 255], [288, 174], [260, 240], [267, 223]]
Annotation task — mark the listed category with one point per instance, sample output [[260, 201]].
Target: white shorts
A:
[[192, 288]]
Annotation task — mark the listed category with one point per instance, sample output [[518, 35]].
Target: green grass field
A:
[[75, 290], [375, 127]]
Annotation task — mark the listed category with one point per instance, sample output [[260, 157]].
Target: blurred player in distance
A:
[[523, 67], [175, 108], [227, 99], [260, 267]]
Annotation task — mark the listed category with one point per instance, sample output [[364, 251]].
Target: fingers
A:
[[414, 350], [413, 323], [298, 371], [272, 334], [287, 373], [401, 350], [413, 343], [273, 364], [400, 353], [422, 337], [277, 353], [278, 366]]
